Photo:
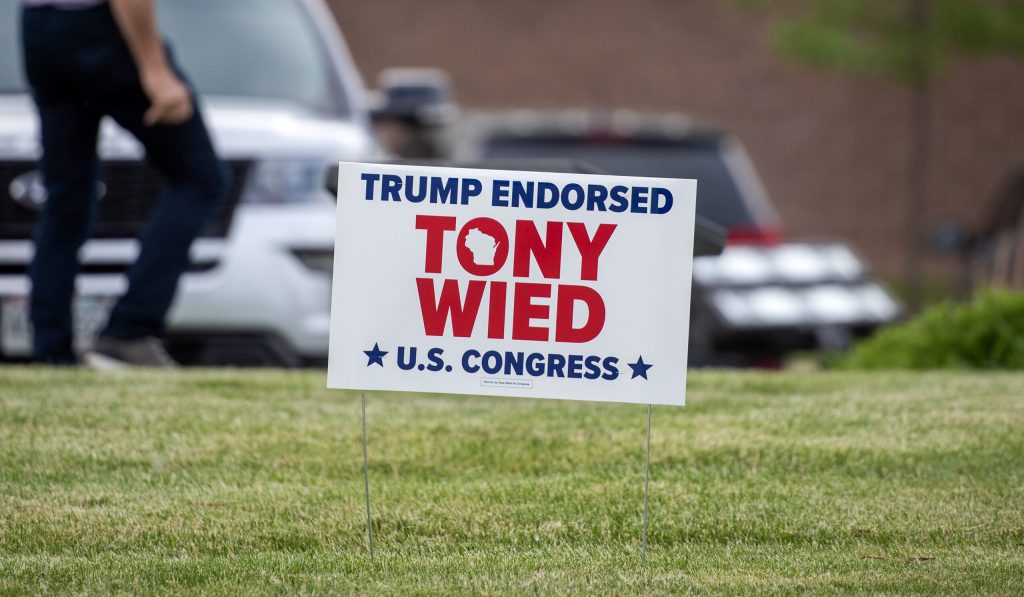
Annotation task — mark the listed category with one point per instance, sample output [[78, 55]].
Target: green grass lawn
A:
[[238, 482]]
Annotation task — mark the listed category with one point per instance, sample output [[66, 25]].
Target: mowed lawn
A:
[[230, 482]]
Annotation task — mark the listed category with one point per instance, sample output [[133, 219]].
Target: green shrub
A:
[[987, 333]]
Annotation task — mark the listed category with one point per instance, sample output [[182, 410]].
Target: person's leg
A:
[[195, 182], [69, 167]]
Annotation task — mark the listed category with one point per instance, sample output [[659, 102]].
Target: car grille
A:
[[131, 190]]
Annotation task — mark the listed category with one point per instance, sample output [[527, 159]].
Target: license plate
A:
[[89, 314]]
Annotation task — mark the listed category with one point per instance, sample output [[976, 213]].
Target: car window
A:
[[245, 48], [718, 196], [11, 80], [252, 48]]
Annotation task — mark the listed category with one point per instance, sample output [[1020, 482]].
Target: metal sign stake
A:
[[366, 479], [647, 478]]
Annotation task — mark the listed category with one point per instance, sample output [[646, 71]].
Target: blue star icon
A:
[[639, 368], [375, 356]]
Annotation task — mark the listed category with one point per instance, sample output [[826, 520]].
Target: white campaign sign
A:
[[502, 283]]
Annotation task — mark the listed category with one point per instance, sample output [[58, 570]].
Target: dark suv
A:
[[762, 297]]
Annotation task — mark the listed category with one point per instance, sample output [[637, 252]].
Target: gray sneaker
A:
[[112, 354]]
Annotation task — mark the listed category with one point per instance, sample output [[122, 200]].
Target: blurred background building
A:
[[832, 148]]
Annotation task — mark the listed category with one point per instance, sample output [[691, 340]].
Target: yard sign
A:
[[503, 283]]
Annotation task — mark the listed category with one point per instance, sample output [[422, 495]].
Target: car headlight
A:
[[286, 181], [842, 261], [799, 263], [835, 304], [769, 306], [878, 302], [777, 306], [744, 265], [734, 307]]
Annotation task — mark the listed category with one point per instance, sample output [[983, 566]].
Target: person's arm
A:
[[170, 100]]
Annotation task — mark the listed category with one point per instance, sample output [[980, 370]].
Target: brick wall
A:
[[831, 148]]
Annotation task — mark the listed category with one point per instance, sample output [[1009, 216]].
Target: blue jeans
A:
[[80, 70]]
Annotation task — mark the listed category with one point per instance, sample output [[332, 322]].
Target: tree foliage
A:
[[982, 334], [888, 36]]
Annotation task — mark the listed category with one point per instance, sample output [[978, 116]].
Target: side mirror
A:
[[420, 97], [708, 238], [331, 180]]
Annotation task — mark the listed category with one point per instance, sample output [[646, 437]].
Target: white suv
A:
[[282, 101]]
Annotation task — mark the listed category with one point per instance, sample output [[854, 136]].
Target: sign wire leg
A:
[[647, 478], [366, 479]]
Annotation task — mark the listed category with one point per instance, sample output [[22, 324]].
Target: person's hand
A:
[[169, 97]]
